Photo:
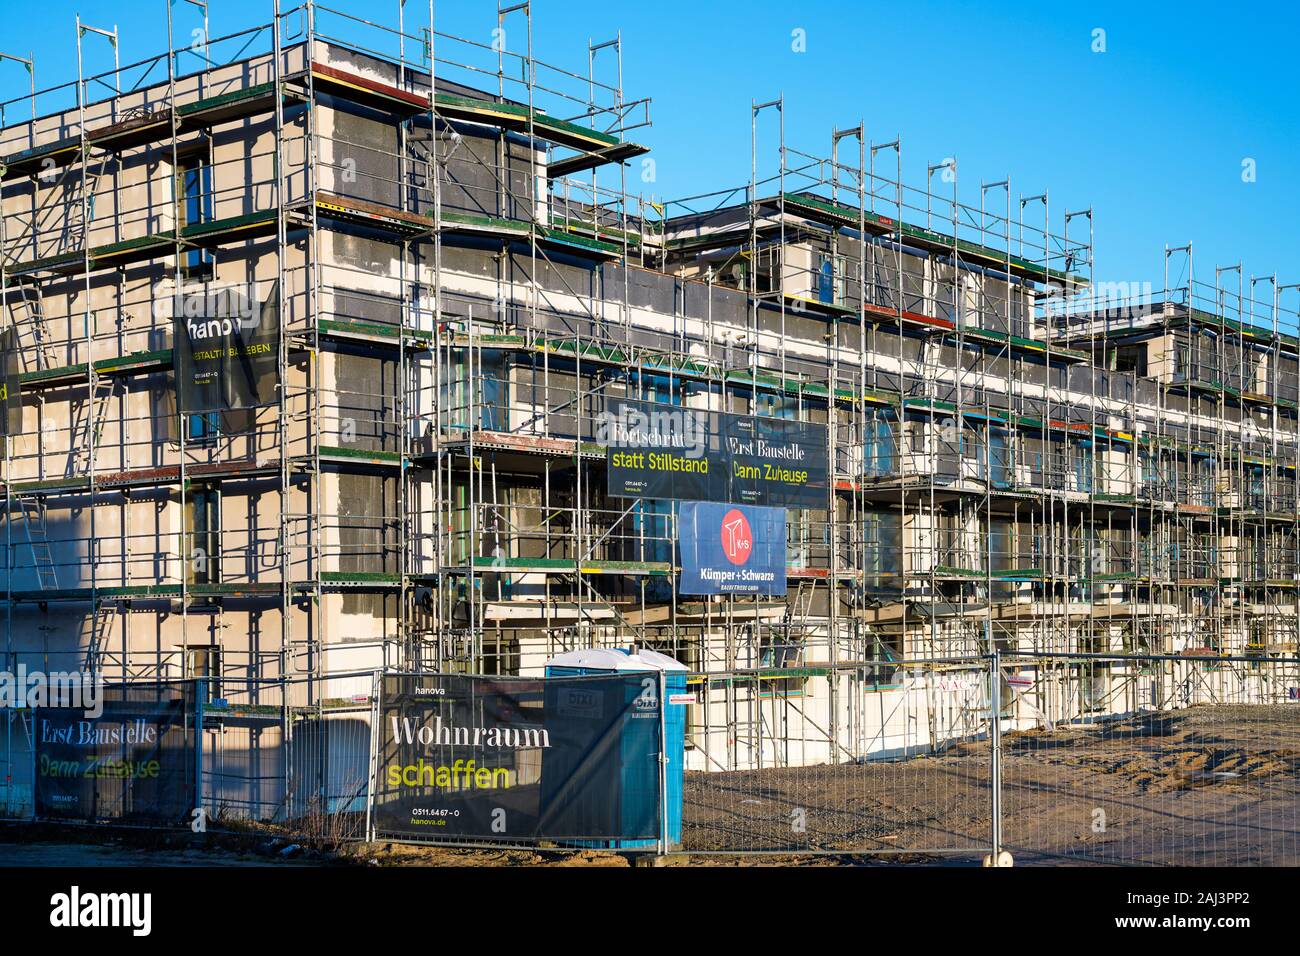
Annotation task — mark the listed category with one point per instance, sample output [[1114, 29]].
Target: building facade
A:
[[459, 282]]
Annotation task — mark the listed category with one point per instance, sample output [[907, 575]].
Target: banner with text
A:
[[515, 759], [134, 761], [11, 405], [654, 450], [731, 549], [226, 349]]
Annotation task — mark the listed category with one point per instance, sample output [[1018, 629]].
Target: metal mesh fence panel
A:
[[243, 752], [17, 764], [1151, 760], [841, 760], [290, 753], [1086, 759]]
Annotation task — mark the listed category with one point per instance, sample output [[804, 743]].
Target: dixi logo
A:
[[737, 538]]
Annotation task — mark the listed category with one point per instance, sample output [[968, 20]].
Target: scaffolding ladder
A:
[[86, 432], [99, 624], [36, 532], [79, 215], [29, 296]]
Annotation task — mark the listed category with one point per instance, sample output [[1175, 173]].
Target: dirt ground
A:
[[101, 855], [393, 854], [932, 803]]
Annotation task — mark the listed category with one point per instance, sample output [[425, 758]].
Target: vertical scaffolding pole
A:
[[283, 532], [92, 438]]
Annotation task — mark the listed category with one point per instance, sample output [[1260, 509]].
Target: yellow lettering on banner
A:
[[665, 461], [777, 473], [459, 776]]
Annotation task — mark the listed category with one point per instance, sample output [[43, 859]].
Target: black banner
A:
[[655, 450], [505, 759], [11, 405], [134, 761], [226, 350]]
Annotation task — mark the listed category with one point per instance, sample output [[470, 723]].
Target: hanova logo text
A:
[[215, 312], [210, 329]]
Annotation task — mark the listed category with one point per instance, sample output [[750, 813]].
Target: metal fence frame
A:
[[299, 756], [1156, 759], [890, 756]]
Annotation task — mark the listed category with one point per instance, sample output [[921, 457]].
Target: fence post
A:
[[286, 731], [996, 857], [200, 692], [31, 752], [375, 717], [663, 762], [995, 734]]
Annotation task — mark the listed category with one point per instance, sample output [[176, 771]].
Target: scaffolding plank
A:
[[356, 86], [258, 223], [375, 332], [136, 131], [237, 104], [25, 162], [373, 214], [568, 240], [63, 263], [583, 161], [359, 455], [569, 566], [516, 116], [468, 222]]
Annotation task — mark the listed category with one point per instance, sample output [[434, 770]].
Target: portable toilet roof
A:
[[615, 659]]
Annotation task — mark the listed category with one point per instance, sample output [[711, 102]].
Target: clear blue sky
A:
[[1151, 133]]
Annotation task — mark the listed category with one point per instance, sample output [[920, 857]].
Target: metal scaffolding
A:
[[462, 281]]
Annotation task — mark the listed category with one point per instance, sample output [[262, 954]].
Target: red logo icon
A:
[[737, 538]]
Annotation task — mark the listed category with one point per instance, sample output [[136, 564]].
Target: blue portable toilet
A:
[[600, 660]]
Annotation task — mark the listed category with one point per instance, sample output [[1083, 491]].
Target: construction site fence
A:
[[1151, 760], [1038, 758]]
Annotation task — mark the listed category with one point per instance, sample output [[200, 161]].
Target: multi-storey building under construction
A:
[[455, 279]]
